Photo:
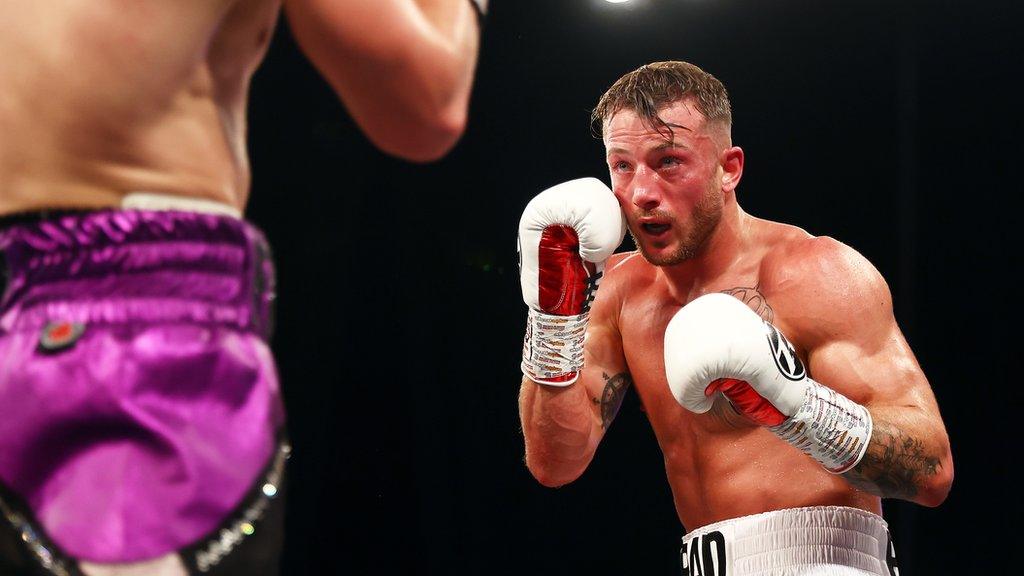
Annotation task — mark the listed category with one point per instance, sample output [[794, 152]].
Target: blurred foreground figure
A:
[[141, 424]]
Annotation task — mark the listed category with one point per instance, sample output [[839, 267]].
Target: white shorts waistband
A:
[[817, 540], [154, 201]]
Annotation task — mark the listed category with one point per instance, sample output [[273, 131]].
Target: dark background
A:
[[892, 126]]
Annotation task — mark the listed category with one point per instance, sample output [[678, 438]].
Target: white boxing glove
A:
[[566, 234], [717, 344]]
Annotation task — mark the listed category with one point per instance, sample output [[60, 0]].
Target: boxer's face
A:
[[670, 192]]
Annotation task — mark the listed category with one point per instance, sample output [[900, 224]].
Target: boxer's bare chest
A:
[[644, 315], [700, 450]]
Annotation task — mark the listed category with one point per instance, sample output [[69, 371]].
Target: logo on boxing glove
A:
[[784, 354]]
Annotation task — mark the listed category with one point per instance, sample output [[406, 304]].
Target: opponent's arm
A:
[[403, 68], [572, 358], [867, 413]]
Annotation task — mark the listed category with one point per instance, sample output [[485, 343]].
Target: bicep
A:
[[842, 312], [857, 349], [875, 368]]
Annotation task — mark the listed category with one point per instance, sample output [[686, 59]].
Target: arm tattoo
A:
[[611, 399], [894, 464]]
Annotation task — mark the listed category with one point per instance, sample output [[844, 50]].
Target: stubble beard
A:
[[705, 217]]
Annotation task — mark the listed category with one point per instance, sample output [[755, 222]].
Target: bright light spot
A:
[[616, 1]]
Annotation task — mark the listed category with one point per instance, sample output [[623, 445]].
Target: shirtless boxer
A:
[[140, 417], [782, 393]]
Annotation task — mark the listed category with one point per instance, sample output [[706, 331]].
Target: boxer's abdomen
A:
[[722, 475], [105, 97], [718, 464]]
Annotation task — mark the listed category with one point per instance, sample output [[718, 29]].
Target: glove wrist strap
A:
[[553, 347], [828, 427]]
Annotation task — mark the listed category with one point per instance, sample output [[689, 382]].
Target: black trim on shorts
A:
[[249, 542], [25, 549], [890, 555]]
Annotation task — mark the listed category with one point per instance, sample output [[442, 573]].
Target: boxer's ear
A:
[[732, 167]]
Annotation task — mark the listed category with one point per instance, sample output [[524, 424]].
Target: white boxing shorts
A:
[[816, 541]]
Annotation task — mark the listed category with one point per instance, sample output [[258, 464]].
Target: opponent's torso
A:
[[718, 464], [106, 97]]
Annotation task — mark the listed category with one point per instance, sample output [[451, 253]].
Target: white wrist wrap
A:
[[553, 347], [828, 427]]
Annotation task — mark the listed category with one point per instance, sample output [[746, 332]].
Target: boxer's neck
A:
[[715, 258]]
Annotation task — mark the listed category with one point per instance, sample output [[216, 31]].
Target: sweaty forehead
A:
[[626, 126]]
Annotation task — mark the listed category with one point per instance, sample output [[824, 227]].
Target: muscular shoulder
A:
[[822, 288]]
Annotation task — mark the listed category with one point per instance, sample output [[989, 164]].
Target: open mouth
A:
[[655, 229]]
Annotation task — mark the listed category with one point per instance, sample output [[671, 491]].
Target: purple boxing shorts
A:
[[139, 405]]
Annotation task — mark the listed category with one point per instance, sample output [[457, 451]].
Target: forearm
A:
[[561, 428], [907, 458], [445, 15], [404, 72], [454, 37]]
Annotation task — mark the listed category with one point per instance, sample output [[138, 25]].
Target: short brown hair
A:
[[652, 87]]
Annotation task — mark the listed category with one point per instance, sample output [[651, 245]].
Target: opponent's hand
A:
[[717, 344], [566, 234]]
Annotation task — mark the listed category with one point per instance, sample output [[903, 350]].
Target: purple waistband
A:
[[139, 400], [118, 266]]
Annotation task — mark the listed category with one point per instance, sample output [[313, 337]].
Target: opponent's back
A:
[[104, 97]]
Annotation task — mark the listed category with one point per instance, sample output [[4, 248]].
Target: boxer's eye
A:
[[620, 166], [669, 162]]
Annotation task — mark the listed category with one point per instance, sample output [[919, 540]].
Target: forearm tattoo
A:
[[611, 398], [894, 465]]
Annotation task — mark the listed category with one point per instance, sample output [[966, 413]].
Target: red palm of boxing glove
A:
[[565, 235], [565, 283]]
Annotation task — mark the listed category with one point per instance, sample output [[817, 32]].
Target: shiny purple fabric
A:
[[144, 434]]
